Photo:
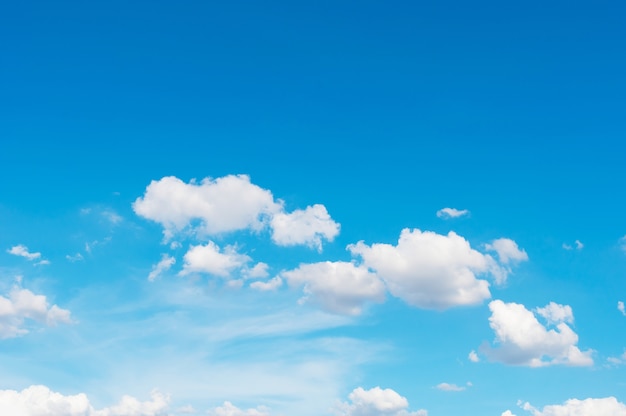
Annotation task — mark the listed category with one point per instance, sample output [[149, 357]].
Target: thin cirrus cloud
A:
[[228, 204], [21, 305], [40, 400], [450, 387], [161, 267], [522, 340], [447, 213]]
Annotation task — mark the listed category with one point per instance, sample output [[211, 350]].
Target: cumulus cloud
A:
[[376, 402], [620, 307], [259, 271], [449, 387], [271, 284], [447, 213], [507, 413], [231, 203], [209, 258], [507, 250], [608, 406], [22, 251], [522, 340], [41, 401], [161, 267], [473, 357], [430, 270], [338, 287], [228, 409], [308, 227], [22, 304]]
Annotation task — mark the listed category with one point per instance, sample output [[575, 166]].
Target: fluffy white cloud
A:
[[259, 271], [309, 227], [161, 267], [228, 409], [225, 204], [447, 213], [507, 250], [339, 287], [272, 284], [376, 402], [555, 313], [22, 251], [608, 406], [449, 387], [231, 203], [620, 307], [507, 413], [41, 401], [430, 270], [522, 340], [473, 357], [211, 259], [22, 304]]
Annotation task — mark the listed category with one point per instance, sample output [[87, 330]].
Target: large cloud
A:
[[339, 287], [22, 304], [522, 340], [231, 203], [430, 270], [41, 401], [608, 406], [376, 402]]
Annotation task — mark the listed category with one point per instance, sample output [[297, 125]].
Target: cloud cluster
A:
[[608, 406], [41, 401], [376, 402], [22, 251], [231, 203], [22, 304], [522, 340]]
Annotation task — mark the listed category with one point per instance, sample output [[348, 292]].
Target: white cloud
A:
[[447, 213], [339, 287], [259, 271], [376, 402], [555, 313], [41, 401], [608, 406], [307, 227], [111, 216], [473, 357], [22, 251], [22, 304], [272, 284], [211, 259], [228, 409], [620, 307], [577, 244], [231, 203], [162, 266], [76, 257], [622, 243], [430, 270], [507, 413], [225, 204], [522, 340], [507, 250], [449, 387]]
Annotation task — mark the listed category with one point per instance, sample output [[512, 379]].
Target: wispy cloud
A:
[[447, 213]]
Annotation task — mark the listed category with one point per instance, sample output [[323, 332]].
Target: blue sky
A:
[[323, 208]]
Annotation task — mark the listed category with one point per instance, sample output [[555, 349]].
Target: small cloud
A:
[[175, 244], [578, 245], [162, 266], [272, 284], [447, 213], [76, 257], [259, 271], [507, 250], [620, 307], [112, 217], [22, 251], [622, 243], [43, 262], [449, 387], [566, 247], [473, 357]]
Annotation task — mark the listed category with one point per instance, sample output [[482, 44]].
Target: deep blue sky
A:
[[385, 112]]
